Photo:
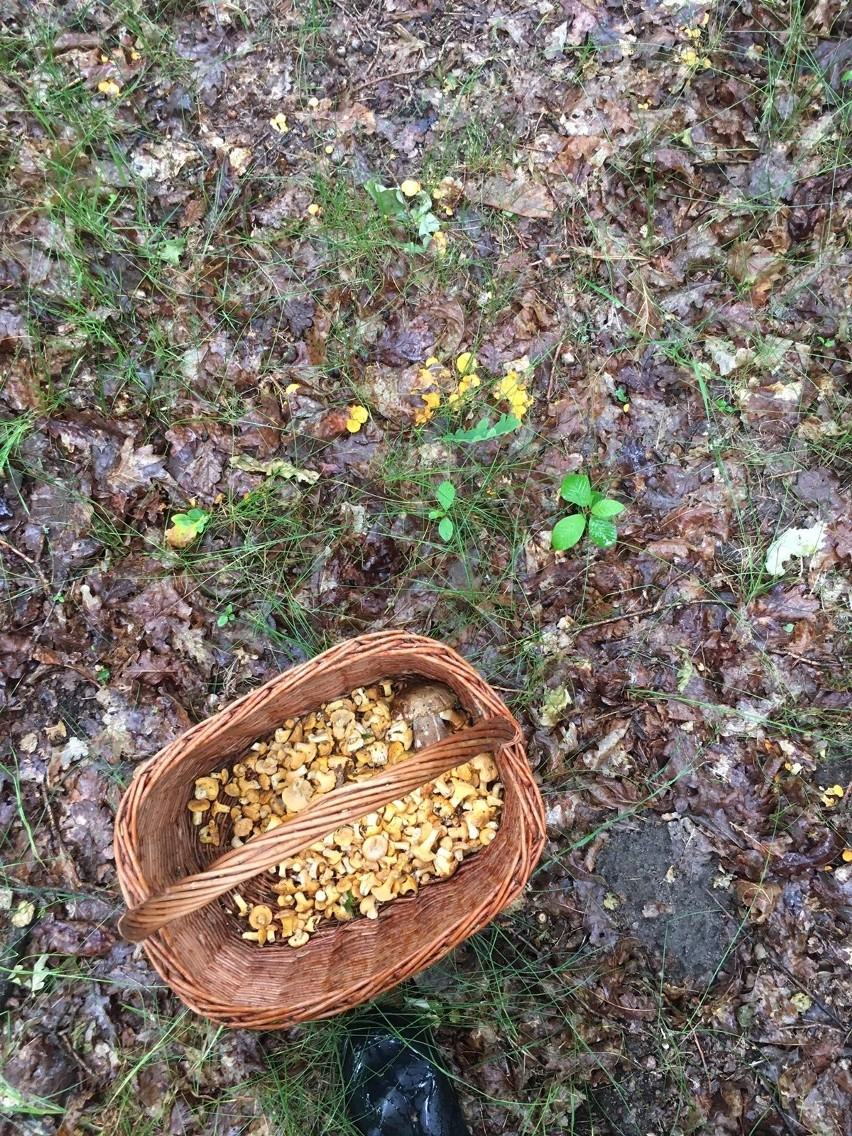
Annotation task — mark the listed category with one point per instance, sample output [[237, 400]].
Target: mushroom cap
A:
[[424, 698]]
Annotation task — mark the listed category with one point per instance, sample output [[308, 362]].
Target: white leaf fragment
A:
[[794, 542], [554, 44]]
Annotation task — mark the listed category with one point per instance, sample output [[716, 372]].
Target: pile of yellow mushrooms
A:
[[393, 852]]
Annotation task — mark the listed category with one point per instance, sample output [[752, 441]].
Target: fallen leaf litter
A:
[[417, 840]]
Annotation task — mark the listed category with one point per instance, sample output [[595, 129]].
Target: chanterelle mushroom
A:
[[392, 851], [296, 796]]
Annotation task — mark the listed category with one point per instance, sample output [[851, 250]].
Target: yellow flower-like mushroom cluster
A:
[[358, 415], [392, 852], [512, 389]]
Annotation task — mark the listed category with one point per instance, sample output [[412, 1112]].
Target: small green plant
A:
[[446, 495], [723, 406], [483, 431], [411, 206], [226, 617], [597, 513]]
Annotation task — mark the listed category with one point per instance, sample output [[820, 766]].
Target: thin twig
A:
[[42, 579]]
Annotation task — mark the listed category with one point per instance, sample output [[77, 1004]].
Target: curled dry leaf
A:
[[135, 467], [759, 898]]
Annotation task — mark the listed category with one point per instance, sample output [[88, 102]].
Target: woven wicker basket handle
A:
[[345, 805]]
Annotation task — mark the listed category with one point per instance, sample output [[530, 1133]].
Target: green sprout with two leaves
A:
[[446, 495], [597, 513], [227, 616], [484, 431]]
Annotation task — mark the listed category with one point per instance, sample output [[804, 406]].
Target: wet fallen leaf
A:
[[239, 158], [135, 467], [555, 703], [23, 914], [514, 194], [186, 527], [759, 898], [274, 467], [794, 542]]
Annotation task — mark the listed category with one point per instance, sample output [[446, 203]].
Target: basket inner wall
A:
[[209, 942]]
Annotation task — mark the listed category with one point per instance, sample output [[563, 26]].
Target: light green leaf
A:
[[171, 251], [446, 529], [603, 533], [421, 205], [568, 531], [387, 198], [428, 225], [446, 494], [577, 489], [607, 508], [483, 432]]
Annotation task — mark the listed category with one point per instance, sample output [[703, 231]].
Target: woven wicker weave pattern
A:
[[196, 946]]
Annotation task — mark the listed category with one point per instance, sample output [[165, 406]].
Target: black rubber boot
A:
[[394, 1085]]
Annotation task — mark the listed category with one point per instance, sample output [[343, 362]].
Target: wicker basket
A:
[[173, 885]]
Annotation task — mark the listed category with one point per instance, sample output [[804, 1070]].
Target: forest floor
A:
[[637, 219]]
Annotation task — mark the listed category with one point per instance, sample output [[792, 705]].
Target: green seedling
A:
[[597, 513], [446, 495], [483, 431], [414, 212], [723, 406], [226, 617]]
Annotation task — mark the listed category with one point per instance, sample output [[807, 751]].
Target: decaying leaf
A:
[[794, 542], [759, 898], [555, 702], [515, 194], [274, 467], [135, 467], [185, 527]]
